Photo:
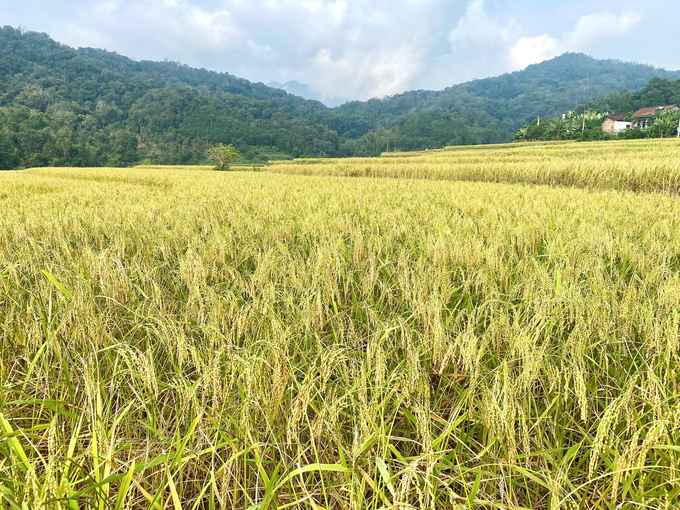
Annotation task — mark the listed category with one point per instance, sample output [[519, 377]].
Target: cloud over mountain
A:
[[356, 49]]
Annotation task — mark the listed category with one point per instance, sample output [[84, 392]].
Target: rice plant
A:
[[188, 339], [651, 165]]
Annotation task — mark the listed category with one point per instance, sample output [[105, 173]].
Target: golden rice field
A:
[[651, 165], [188, 339]]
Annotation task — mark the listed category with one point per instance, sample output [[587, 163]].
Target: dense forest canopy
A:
[[585, 122], [61, 106], [512, 100], [658, 92]]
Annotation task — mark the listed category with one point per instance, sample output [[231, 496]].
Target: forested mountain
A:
[[511, 100], [585, 122], [91, 107], [65, 106], [658, 92]]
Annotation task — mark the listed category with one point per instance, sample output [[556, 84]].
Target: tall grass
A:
[[204, 340], [640, 165]]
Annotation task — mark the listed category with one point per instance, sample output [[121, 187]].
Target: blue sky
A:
[[357, 49]]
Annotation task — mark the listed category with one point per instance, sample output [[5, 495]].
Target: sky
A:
[[358, 49]]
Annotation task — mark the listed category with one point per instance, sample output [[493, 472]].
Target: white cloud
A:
[[352, 49], [476, 26], [171, 24], [588, 29], [384, 73], [345, 49], [605, 24], [262, 50], [339, 9], [530, 50]]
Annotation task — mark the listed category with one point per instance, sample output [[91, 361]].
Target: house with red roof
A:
[[642, 116]]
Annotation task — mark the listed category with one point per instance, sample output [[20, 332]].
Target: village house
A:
[[642, 116], [615, 123]]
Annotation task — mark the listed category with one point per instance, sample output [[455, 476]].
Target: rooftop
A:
[[651, 110], [618, 116]]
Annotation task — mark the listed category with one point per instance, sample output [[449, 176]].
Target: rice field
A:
[[189, 339], [651, 165]]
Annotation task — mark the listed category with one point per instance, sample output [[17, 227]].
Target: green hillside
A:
[[585, 122], [61, 106], [511, 100]]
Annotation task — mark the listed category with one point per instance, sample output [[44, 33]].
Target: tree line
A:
[[61, 106], [585, 123]]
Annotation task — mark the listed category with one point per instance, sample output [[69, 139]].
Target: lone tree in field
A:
[[223, 155]]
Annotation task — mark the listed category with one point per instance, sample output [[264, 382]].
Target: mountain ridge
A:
[[87, 106], [544, 82], [297, 89]]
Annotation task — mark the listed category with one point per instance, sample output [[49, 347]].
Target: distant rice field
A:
[[635, 165], [189, 339]]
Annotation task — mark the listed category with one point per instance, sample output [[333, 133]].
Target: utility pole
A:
[[559, 127], [583, 129]]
